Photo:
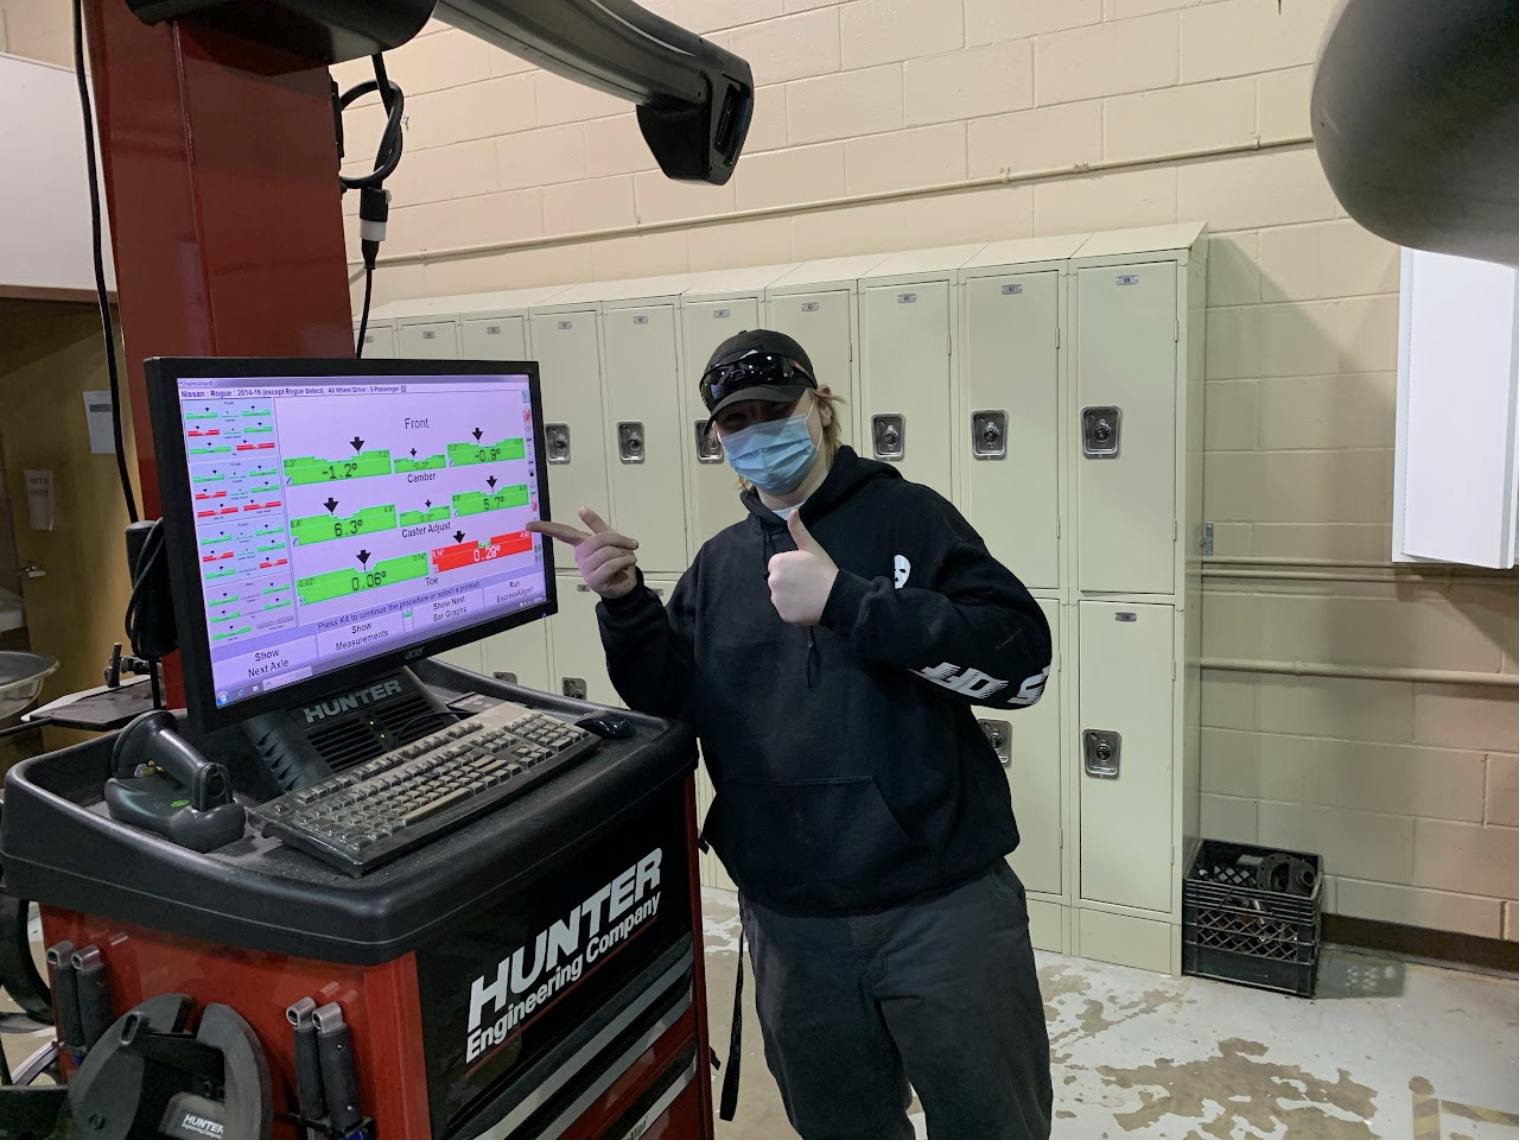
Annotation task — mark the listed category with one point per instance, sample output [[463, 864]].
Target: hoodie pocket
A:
[[823, 841]]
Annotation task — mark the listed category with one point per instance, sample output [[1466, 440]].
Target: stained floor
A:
[[1386, 1050]]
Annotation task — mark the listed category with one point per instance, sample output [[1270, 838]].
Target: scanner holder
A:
[[148, 1077], [160, 782]]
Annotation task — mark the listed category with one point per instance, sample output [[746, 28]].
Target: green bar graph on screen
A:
[[320, 528], [337, 584], [508, 448], [474, 503]]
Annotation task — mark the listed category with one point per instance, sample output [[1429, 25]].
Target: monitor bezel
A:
[[163, 375]]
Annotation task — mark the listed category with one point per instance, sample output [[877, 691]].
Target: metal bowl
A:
[[21, 676]]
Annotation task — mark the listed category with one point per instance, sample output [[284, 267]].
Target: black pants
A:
[[942, 995]]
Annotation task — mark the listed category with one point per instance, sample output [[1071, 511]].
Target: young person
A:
[[829, 649]]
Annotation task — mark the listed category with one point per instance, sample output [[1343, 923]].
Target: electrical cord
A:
[[424, 716], [374, 199], [150, 564], [98, 244]]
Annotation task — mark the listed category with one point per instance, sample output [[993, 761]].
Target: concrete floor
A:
[[1386, 1050]]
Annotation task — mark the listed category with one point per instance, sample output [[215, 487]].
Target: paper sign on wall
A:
[[39, 498], [99, 414]]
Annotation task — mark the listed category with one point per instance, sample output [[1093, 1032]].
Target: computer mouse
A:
[[613, 726]]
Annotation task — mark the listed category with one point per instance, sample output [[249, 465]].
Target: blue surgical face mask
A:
[[774, 455]]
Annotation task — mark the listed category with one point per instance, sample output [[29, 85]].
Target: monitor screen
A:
[[334, 517]]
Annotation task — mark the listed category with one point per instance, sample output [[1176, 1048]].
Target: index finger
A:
[[561, 531], [592, 520]]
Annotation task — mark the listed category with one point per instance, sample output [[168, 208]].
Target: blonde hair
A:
[[831, 442]]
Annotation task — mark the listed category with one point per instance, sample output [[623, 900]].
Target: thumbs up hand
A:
[[801, 580]]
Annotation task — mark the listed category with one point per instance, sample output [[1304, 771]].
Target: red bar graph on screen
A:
[[466, 554]]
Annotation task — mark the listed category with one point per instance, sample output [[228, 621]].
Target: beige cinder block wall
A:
[[1408, 787]]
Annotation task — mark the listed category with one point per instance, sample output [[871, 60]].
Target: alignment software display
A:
[[337, 518]]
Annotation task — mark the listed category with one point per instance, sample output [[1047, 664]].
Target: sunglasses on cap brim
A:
[[756, 369]]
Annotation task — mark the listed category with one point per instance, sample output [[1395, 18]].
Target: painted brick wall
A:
[[1410, 790]]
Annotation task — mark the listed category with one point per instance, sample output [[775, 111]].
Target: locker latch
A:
[[631, 441], [1101, 753], [888, 436], [557, 442], [1101, 432], [989, 429], [574, 688], [710, 450], [998, 735], [505, 676]]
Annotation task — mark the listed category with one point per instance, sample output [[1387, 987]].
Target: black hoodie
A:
[[849, 771]]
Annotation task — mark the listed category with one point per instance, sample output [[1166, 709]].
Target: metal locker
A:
[[1125, 366], [467, 657], [576, 655], [1029, 744], [715, 498], [523, 653], [429, 340], [1009, 435], [644, 437], [570, 377], [493, 339], [380, 341], [578, 666], [824, 324], [906, 379], [1124, 753]]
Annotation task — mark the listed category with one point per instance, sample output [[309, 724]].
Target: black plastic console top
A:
[[59, 847]]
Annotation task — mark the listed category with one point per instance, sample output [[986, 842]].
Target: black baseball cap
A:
[[756, 364]]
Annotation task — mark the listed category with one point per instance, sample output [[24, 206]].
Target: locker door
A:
[[821, 323], [579, 665], [906, 379], [715, 491], [523, 652], [467, 657], [380, 342], [570, 372], [1010, 428], [493, 339], [1126, 380], [1125, 753], [644, 433], [430, 341], [1032, 738]]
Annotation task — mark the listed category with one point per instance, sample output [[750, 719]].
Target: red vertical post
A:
[[221, 174]]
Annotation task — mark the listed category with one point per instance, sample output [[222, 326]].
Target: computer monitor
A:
[[326, 520]]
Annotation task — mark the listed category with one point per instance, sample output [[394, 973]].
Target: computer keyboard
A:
[[375, 812]]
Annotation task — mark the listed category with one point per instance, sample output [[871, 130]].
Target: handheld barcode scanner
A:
[[161, 783]]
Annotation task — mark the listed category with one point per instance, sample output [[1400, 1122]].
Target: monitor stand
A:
[[311, 741]]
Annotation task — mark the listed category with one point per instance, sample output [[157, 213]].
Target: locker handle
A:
[[631, 442], [557, 440], [990, 428], [1101, 754], [505, 676], [1101, 432], [999, 736], [574, 688], [710, 449], [888, 432]]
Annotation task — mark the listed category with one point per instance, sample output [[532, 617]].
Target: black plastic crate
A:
[[1237, 931]]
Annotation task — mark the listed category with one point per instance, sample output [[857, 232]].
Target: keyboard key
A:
[[436, 806]]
